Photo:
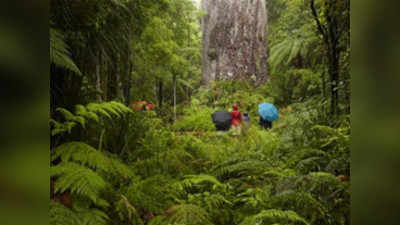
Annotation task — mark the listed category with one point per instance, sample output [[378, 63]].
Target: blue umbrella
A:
[[268, 111]]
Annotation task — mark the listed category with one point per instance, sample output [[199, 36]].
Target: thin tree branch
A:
[[320, 27]]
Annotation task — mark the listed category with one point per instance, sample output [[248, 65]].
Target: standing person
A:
[[222, 121], [268, 113], [236, 119], [246, 123], [246, 118], [265, 123]]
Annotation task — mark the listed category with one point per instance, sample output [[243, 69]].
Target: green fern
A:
[[284, 52], [61, 215], [127, 212], [79, 180], [86, 155], [93, 217], [240, 167], [272, 216], [187, 214], [196, 180], [59, 53], [93, 111], [299, 200], [153, 194]]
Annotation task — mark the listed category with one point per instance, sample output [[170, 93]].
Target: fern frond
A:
[[98, 109], [61, 215], [84, 154], [79, 180], [240, 167], [154, 194], [300, 200], [274, 215], [191, 180], [126, 211], [187, 214], [59, 53], [93, 217], [92, 111]]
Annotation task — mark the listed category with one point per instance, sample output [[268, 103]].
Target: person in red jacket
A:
[[236, 118]]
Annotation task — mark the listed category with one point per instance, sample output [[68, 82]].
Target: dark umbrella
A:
[[222, 120]]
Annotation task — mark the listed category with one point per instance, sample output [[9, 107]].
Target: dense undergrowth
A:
[[138, 170]]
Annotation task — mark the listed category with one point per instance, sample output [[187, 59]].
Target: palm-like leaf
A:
[[59, 53]]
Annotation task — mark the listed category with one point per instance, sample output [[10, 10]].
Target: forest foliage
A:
[[112, 164]]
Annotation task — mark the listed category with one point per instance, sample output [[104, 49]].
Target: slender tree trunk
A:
[[323, 83], [334, 79], [127, 84], [119, 89], [160, 93], [98, 80], [330, 36], [174, 80]]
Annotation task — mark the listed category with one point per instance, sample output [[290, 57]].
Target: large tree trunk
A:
[[234, 40]]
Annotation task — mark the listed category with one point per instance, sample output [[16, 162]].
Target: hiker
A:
[[265, 123], [268, 113], [246, 118], [222, 120], [246, 123], [236, 118]]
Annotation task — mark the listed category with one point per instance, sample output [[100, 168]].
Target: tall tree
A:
[[332, 22]]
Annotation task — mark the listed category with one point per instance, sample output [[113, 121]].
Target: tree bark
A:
[[234, 40]]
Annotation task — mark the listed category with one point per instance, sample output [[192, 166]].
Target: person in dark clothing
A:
[[246, 117], [265, 123], [246, 124], [222, 120]]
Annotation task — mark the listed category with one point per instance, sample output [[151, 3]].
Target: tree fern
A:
[[284, 52], [59, 53]]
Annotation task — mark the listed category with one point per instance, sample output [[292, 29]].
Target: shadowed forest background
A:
[[114, 164]]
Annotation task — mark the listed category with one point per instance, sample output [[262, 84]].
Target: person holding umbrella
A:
[[268, 113], [222, 120]]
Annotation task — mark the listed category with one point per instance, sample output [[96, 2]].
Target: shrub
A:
[[196, 118]]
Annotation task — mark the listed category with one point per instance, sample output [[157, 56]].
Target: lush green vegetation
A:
[[114, 165]]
